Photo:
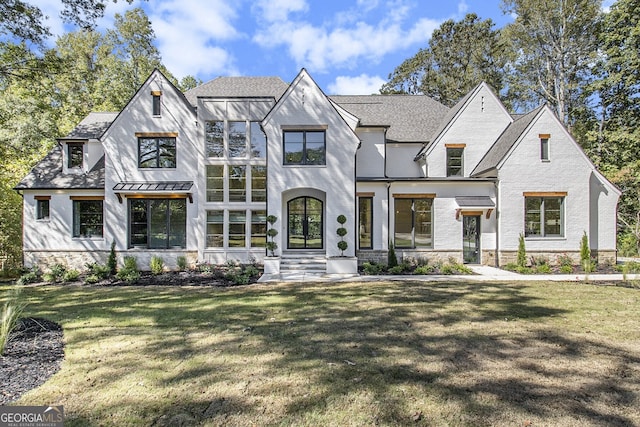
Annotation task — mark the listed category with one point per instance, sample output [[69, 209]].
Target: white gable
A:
[[476, 126]]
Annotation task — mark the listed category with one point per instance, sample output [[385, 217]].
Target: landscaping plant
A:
[[11, 312], [342, 245]]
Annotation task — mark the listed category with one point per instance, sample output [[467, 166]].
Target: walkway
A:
[[482, 274]]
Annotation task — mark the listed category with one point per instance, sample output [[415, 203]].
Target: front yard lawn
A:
[[401, 353]]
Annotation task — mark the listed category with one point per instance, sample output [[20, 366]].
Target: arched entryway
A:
[[305, 223]]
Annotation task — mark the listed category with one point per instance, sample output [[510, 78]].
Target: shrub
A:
[[542, 269], [341, 232], [629, 267], [566, 269], [181, 262], [31, 276], [447, 269], [424, 269], [539, 261], [512, 266], [156, 265], [373, 268], [240, 274], [70, 276], [55, 273], [522, 252], [11, 312], [271, 233], [112, 261], [400, 268], [585, 253], [565, 260], [628, 245], [100, 271], [129, 273], [392, 259], [130, 263], [91, 279]]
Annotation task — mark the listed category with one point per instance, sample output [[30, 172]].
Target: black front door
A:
[[471, 239], [304, 223]]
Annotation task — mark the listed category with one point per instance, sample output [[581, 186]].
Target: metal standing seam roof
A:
[[176, 186], [475, 202]]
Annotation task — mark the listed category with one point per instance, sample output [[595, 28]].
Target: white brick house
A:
[[196, 174]]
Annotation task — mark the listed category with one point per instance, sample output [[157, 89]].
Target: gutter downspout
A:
[[496, 184], [388, 191]]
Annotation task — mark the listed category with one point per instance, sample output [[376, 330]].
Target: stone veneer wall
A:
[[604, 257], [78, 260], [379, 256]]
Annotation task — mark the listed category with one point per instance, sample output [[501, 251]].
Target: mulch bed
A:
[[32, 355]]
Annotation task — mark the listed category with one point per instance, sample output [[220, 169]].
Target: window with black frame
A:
[[304, 148], [157, 152], [158, 223], [87, 218]]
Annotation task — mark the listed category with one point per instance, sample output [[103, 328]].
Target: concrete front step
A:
[[303, 262]]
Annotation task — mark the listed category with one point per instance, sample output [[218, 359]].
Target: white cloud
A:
[[463, 7], [279, 10], [187, 31], [606, 5], [358, 85], [319, 48]]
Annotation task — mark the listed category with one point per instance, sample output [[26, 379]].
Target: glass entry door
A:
[[471, 239], [304, 223]]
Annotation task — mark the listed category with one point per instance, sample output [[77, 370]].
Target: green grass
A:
[[405, 353]]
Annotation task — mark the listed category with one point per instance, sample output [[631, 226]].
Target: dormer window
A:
[[455, 159], [75, 155], [157, 102], [544, 146]]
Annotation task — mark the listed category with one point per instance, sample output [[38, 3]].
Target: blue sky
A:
[[348, 46]]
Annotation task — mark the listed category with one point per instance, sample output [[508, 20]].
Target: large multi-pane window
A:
[[258, 141], [544, 217], [413, 223], [237, 139], [237, 229], [87, 218], [258, 229], [157, 152], [215, 229], [238, 183], [215, 183], [214, 138], [158, 223], [455, 157], [365, 215], [258, 183], [304, 148]]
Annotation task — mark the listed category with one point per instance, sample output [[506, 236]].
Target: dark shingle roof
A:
[[47, 174], [236, 87], [410, 118], [502, 146], [92, 126]]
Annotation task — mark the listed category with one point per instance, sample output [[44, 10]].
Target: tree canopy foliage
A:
[[459, 56]]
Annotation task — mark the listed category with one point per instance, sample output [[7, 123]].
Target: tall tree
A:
[[459, 56], [556, 42], [614, 139]]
